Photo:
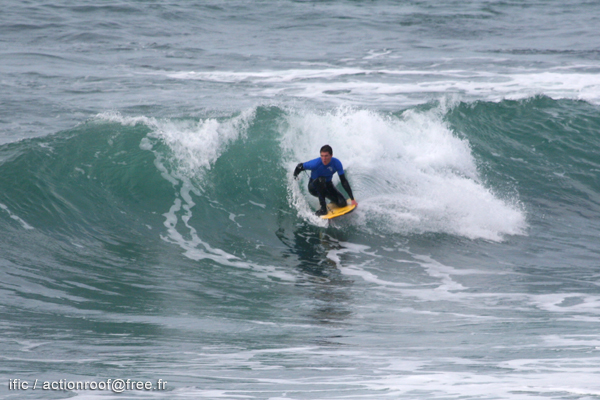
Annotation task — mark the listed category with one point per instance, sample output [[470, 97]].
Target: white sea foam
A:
[[281, 76], [445, 286], [322, 373], [195, 143], [569, 303], [386, 86], [195, 248], [409, 173], [16, 217], [301, 202]]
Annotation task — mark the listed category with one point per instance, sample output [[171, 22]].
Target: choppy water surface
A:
[[151, 228]]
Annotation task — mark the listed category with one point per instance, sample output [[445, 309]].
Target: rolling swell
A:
[[219, 187], [76, 181], [95, 219], [544, 149], [228, 178]]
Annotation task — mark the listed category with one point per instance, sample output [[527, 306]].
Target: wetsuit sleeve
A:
[[346, 186], [299, 168]]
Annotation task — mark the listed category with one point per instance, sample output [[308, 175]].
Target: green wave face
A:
[[468, 169]]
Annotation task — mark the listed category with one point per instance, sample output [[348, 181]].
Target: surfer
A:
[[320, 185]]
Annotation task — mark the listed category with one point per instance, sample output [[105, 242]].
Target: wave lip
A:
[[195, 144]]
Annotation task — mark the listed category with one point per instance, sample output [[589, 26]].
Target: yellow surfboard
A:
[[335, 211]]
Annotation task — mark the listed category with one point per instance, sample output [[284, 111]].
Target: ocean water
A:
[[151, 230]]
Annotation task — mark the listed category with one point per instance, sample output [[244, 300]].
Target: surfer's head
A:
[[327, 149], [326, 153]]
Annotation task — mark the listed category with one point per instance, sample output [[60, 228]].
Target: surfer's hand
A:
[[354, 203], [299, 168]]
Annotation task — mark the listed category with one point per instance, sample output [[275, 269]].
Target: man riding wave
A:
[[320, 184]]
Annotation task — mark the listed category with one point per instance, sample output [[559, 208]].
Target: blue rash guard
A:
[[318, 169]]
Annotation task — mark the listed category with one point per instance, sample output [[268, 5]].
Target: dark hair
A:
[[327, 149]]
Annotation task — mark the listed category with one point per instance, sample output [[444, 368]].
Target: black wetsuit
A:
[[322, 189]]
